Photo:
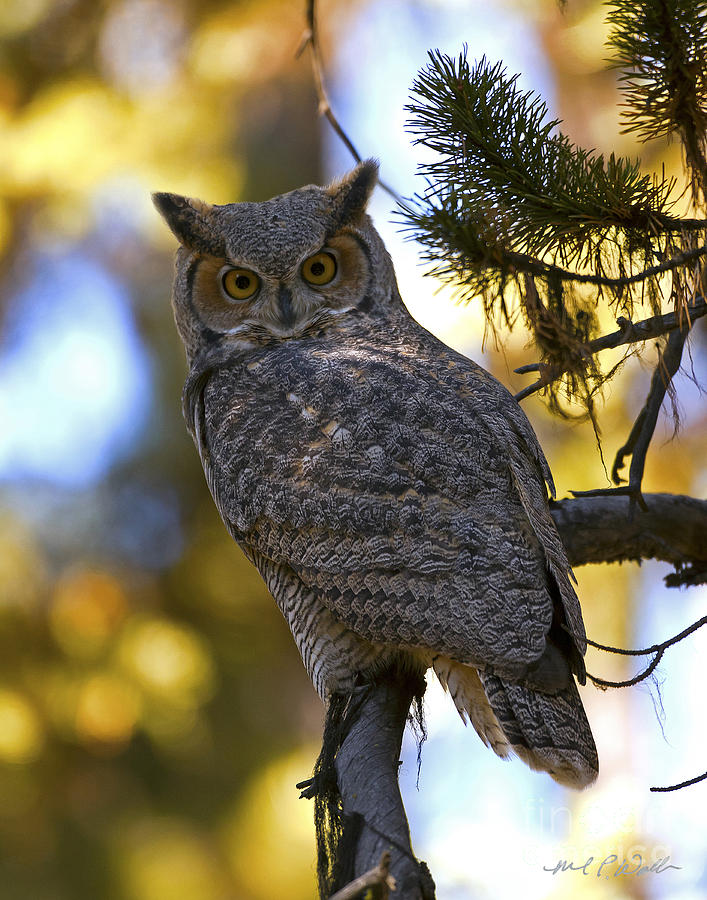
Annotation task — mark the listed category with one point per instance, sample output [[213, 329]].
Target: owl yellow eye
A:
[[320, 268], [240, 284]]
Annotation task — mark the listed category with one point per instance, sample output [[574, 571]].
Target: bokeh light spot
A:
[[23, 570], [107, 711], [17, 16], [6, 226], [88, 396], [170, 661], [88, 606], [140, 44], [271, 823], [167, 858], [21, 734]]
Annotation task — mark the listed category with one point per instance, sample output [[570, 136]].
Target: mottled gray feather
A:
[[390, 491]]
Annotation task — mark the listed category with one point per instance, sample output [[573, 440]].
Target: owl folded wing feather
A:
[[411, 532]]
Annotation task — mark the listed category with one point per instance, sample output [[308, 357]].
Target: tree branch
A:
[[526, 263], [310, 39], [358, 812], [628, 333], [642, 432], [606, 528], [376, 878], [644, 426], [367, 770], [598, 529], [683, 784], [658, 650]]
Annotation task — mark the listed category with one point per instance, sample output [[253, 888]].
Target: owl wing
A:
[[405, 488]]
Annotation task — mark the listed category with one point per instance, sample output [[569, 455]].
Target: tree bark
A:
[[610, 528], [367, 772]]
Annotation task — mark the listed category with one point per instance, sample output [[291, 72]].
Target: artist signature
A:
[[636, 867]]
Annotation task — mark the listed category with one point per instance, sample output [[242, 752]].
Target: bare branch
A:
[[523, 262], [310, 38], [644, 426], [683, 784], [367, 770], [648, 671], [657, 649], [358, 810], [377, 877], [606, 529], [628, 333], [642, 432], [633, 332], [598, 529]]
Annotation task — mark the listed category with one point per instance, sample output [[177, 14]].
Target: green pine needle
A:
[[502, 161], [662, 46], [511, 198]]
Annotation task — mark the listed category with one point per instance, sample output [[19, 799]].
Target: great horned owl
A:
[[390, 491]]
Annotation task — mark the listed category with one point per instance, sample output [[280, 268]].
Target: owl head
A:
[[249, 274]]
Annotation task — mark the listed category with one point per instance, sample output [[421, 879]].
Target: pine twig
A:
[[526, 263], [507, 180], [683, 784], [378, 879], [628, 333], [662, 48], [310, 38], [642, 432], [657, 649]]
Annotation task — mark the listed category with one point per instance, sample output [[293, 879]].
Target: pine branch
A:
[[505, 170], [511, 201], [628, 333], [523, 263], [663, 46]]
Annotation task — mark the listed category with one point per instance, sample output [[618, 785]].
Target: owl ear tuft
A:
[[352, 192], [190, 221]]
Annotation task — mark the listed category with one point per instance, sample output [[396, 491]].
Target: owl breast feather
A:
[[406, 488]]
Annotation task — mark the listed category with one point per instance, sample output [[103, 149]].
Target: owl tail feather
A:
[[550, 733], [467, 692]]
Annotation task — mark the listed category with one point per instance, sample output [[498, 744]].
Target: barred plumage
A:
[[390, 491]]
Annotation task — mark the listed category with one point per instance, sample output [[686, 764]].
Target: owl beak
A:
[[286, 309]]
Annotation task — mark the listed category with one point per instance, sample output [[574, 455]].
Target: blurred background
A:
[[154, 712]]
